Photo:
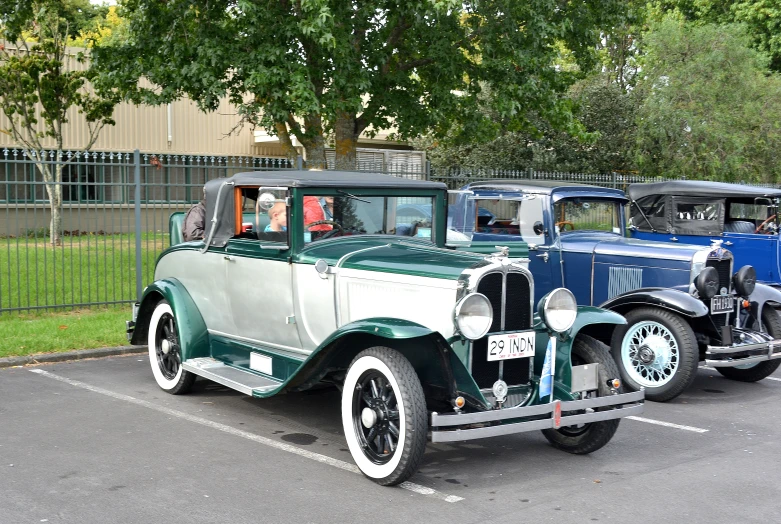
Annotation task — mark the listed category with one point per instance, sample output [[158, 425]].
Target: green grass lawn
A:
[[55, 332], [83, 270]]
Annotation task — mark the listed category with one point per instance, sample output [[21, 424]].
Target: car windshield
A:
[[347, 214], [587, 214]]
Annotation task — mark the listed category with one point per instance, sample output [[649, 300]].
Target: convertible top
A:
[[700, 188], [220, 195]]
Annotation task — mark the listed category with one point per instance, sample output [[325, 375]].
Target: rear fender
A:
[[434, 360], [193, 336], [671, 299]]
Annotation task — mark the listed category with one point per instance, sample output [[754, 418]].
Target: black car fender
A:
[[671, 299], [765, 295]]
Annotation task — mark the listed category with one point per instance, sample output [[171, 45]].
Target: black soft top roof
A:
[[330, 179], [700, 188]]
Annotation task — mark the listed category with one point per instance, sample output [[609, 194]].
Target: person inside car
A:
[[195, 220], [277, 218]]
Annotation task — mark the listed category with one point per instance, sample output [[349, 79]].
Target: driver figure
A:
[[318, 209]]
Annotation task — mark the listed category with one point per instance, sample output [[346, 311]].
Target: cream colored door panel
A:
[[315, 306]]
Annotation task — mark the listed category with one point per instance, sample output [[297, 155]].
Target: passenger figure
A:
[[195, 220], [277, 218], [318, 209]]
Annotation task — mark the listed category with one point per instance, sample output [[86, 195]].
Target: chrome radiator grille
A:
[[515, 315]]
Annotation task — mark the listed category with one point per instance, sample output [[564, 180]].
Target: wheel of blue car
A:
[[771, 321], [656, 350], [384, 415], [165, 353], [587, 438]]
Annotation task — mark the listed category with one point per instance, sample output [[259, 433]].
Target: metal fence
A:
[[457, 177], [115, 215]]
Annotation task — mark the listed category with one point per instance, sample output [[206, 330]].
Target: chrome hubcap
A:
[[650, 354], [368, 417], [165, 346]]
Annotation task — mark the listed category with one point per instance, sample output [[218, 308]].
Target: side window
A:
[[264, 215], [530, 219]]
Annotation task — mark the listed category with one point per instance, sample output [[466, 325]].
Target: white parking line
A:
[[416, 488], [667, 424]]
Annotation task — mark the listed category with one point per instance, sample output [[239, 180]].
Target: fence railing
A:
[[114, 218]]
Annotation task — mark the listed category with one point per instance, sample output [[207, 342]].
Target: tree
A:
[[710, 107], [37, 91], [310, 68]]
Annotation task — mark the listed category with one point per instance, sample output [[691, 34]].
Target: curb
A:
[[70, 355]]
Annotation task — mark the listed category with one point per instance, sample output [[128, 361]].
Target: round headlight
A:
[[558, 309], [745, 281], [707, 282], [474, 316]]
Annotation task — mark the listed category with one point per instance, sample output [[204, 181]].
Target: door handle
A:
[[727, 243], [228, 258], [543, 256], [673, 239]]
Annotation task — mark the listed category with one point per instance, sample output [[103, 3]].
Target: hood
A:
[[630, 247], [390, 254]]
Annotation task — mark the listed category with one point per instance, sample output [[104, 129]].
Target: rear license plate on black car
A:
[[722, 304]]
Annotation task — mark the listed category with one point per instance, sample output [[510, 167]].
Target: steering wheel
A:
[[561, 225], [339, 230], [763, 224]]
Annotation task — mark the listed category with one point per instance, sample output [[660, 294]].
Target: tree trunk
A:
[[346, 142], [314, 142], [284, 139], [54, 191]]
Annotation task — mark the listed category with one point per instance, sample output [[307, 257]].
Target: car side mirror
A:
[[538, 228], [266, 201]]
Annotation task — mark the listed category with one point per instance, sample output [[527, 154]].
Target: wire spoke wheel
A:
[[650, 353]]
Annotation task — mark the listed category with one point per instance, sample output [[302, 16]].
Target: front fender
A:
[[416, 342], [764, 294], [671, 299], [588, 317], [193, 335]]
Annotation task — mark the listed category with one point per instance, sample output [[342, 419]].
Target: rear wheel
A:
[[771, 322], [587, 438], [165, 354], [384, 415], [656, 350]]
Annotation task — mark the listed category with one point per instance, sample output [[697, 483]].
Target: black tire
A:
[[588, 438], [771, 321], [678, 370], [393, 402], [165, 355]]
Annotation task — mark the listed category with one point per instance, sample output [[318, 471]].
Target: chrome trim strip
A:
[[720, 350], [260, 344], [337, 300], [740, 361], [548, 423], [460, 419]]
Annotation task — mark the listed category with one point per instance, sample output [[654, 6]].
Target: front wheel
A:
[[384, 415], [587, 438], [656, 350], [771, 321], [165, 354]]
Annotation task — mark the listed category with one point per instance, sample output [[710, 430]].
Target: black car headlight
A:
[[707, 282], [745, 280]]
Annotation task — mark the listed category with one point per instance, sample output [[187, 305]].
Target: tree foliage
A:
[[709, 109], [314, 68], [38, 89]]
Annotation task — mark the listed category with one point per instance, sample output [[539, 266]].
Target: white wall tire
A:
[[384, 415], [165, 355]]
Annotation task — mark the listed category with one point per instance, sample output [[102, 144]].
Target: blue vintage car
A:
[[683, 303], [697, 212]]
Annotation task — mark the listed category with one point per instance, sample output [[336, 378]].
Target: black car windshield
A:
[[346, 214], [583, 214]]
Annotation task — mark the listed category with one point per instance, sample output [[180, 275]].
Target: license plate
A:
[[722, 304], [511, 345]]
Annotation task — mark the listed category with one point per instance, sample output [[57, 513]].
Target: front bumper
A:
[[451, 427], [760, 347]]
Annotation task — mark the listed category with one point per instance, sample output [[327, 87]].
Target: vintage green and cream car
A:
[[312, 277]]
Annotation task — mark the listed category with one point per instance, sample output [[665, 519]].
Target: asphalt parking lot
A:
[[98, 442]]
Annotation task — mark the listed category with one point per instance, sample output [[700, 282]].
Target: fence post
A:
[[299, 162], [137, 206], [613, 178], [428, 169]]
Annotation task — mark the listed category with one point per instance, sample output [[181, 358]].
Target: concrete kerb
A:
[[43, 358]]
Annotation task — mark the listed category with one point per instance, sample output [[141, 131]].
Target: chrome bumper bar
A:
[[771, 350], [443, 430]]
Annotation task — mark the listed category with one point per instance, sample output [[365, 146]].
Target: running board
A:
[[243, 381]]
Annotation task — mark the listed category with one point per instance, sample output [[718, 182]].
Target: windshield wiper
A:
[[348, 195]]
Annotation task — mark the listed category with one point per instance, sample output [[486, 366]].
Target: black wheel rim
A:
[[167, 347], [374, 392]]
